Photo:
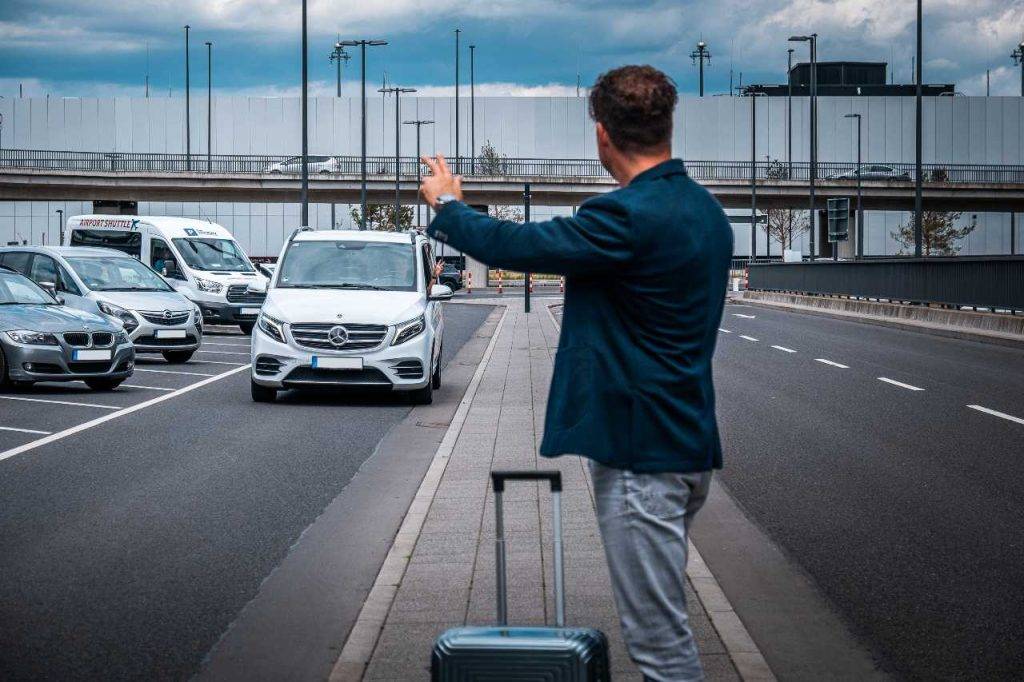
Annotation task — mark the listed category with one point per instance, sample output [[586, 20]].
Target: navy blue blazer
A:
[[646, 269]]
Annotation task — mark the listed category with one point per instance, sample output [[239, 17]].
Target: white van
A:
[[199, 259]]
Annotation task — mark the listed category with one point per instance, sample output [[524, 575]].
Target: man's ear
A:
[[602, 134]]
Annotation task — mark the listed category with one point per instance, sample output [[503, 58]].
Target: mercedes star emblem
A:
[[338, 336]]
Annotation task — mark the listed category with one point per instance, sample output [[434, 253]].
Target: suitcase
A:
[[522, 654]]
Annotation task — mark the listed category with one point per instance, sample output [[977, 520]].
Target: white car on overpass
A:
[[351, 309]]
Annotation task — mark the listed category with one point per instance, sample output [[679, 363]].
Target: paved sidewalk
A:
[[441, 570]]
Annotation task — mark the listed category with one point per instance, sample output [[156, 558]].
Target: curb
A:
[[362, 639], [743, 651]]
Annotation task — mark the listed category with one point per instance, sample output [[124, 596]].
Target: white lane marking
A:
[[829, 362], [748, 338], [724, 331], [218, 362], [171, 371], [223, 352], [784, 349], [58, 402], [900, 384], [120, 413], [11, 428], [148, 388], [748, 317], [996, 413]]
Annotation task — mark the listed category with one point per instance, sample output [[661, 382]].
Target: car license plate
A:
[[250, 311], [170, 333], [91, 355], [337, 363]]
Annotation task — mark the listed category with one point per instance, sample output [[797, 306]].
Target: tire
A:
[[103, 384], [246, 327], [435, 378], [5, 379], [262, 394], [177, 355], [422, 396]]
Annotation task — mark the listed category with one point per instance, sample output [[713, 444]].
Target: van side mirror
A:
[[170, 269], [440, 292], [257, 287]]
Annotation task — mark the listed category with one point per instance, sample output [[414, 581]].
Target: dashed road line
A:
[[900, 384], [148, 388], [748, 338], [833, 364], [746, 317], [725, 331], [32, 431], [997, 413], [784, 349], [58, 402], [172, 371]]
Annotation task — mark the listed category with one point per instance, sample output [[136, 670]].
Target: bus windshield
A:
[[212, 254]]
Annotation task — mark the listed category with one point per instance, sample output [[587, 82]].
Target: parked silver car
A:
[[107, 282], [875, 171], [42, 340], [317, 164]]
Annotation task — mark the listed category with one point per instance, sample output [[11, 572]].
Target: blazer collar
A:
[[670, 167]]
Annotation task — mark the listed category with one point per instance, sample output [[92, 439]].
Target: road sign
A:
[[838, 219]]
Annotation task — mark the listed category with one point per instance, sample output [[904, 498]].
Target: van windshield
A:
[[116, 274], [212, 254], [348, 265]]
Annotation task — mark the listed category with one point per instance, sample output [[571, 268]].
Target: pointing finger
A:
[[431, 164], [443, 164]]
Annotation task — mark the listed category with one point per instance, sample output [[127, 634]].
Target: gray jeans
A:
[[644, 520]]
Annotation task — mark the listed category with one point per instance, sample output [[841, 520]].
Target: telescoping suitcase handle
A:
[[554, 478]]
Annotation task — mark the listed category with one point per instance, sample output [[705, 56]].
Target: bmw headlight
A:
[[120, 314], [271, 327], [409, 330], [208, 286], [32, 338]]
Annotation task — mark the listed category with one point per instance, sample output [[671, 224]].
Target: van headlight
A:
[[32, 338], [208, 286], [271, 327], [120, 314], [409, 330]]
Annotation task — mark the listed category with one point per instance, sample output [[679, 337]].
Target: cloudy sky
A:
[[106, 47]]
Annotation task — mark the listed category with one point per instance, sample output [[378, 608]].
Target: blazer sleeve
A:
[[596, 239]]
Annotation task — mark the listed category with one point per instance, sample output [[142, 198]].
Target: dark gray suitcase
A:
[[522, 654]]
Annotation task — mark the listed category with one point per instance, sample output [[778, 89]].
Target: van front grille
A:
[[360, 336], [239, 293]]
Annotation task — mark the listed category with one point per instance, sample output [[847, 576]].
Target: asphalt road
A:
[[903, 505], [126, 549]]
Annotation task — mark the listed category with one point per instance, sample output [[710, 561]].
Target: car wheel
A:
[[246, 327], [435, 378], [5, 379], [422, 396], [178, 355], [103, 384], [263, 394]]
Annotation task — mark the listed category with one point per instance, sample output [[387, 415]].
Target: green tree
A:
[[382, 217]]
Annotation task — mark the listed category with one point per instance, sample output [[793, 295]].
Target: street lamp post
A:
[[860, 213], [209, 106], [397, 92], [789, 115], [339, 55], [304, 195], [458, 159], [60, 226], [812, 41], [1018, 58], [362, 164], [918, 171], [419, 123], [753, 174], [472, 108], [188, 116], [699, 56], [526, 275]]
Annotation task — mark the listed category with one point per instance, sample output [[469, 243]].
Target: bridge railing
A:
[[701, 170]]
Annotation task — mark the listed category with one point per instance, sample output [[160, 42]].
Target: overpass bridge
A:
[[70, 175]]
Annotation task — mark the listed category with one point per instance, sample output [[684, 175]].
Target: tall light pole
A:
[[1018, 58], [209, 106], [397, 92], [753, 174], [458, 159], [860, 213], [918, 134], [419, 123], [304, 194], [472, 108], [60, 226], [789, 114], [699, 56], [362, 165], [188, 116], [339, 55], [812, 41]]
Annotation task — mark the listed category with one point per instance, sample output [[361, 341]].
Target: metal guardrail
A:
[[701, 170], [982, 282]]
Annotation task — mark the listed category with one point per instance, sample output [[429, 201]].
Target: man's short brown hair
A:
[[635, 104]]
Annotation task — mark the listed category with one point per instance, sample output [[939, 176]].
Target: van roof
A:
[[352, 235], [170, 226]]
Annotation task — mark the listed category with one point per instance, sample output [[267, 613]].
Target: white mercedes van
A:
[[199, 259], [349, 308]]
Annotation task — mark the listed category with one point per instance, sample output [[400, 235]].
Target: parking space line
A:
[[784, 349], [46, 440], [148, 388], [218, 362], [900, 384], [829, 362], [58, 402], [724, 331], [996, 413], [222, 352], [172, 371], [32, 431], [748, 338], [747, 317]]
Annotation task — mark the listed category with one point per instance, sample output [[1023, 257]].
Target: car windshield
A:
[[212, 254], [348, 265], [116, 274], [20, 290]]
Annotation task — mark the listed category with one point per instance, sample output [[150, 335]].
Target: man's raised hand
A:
[[440, 181]]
